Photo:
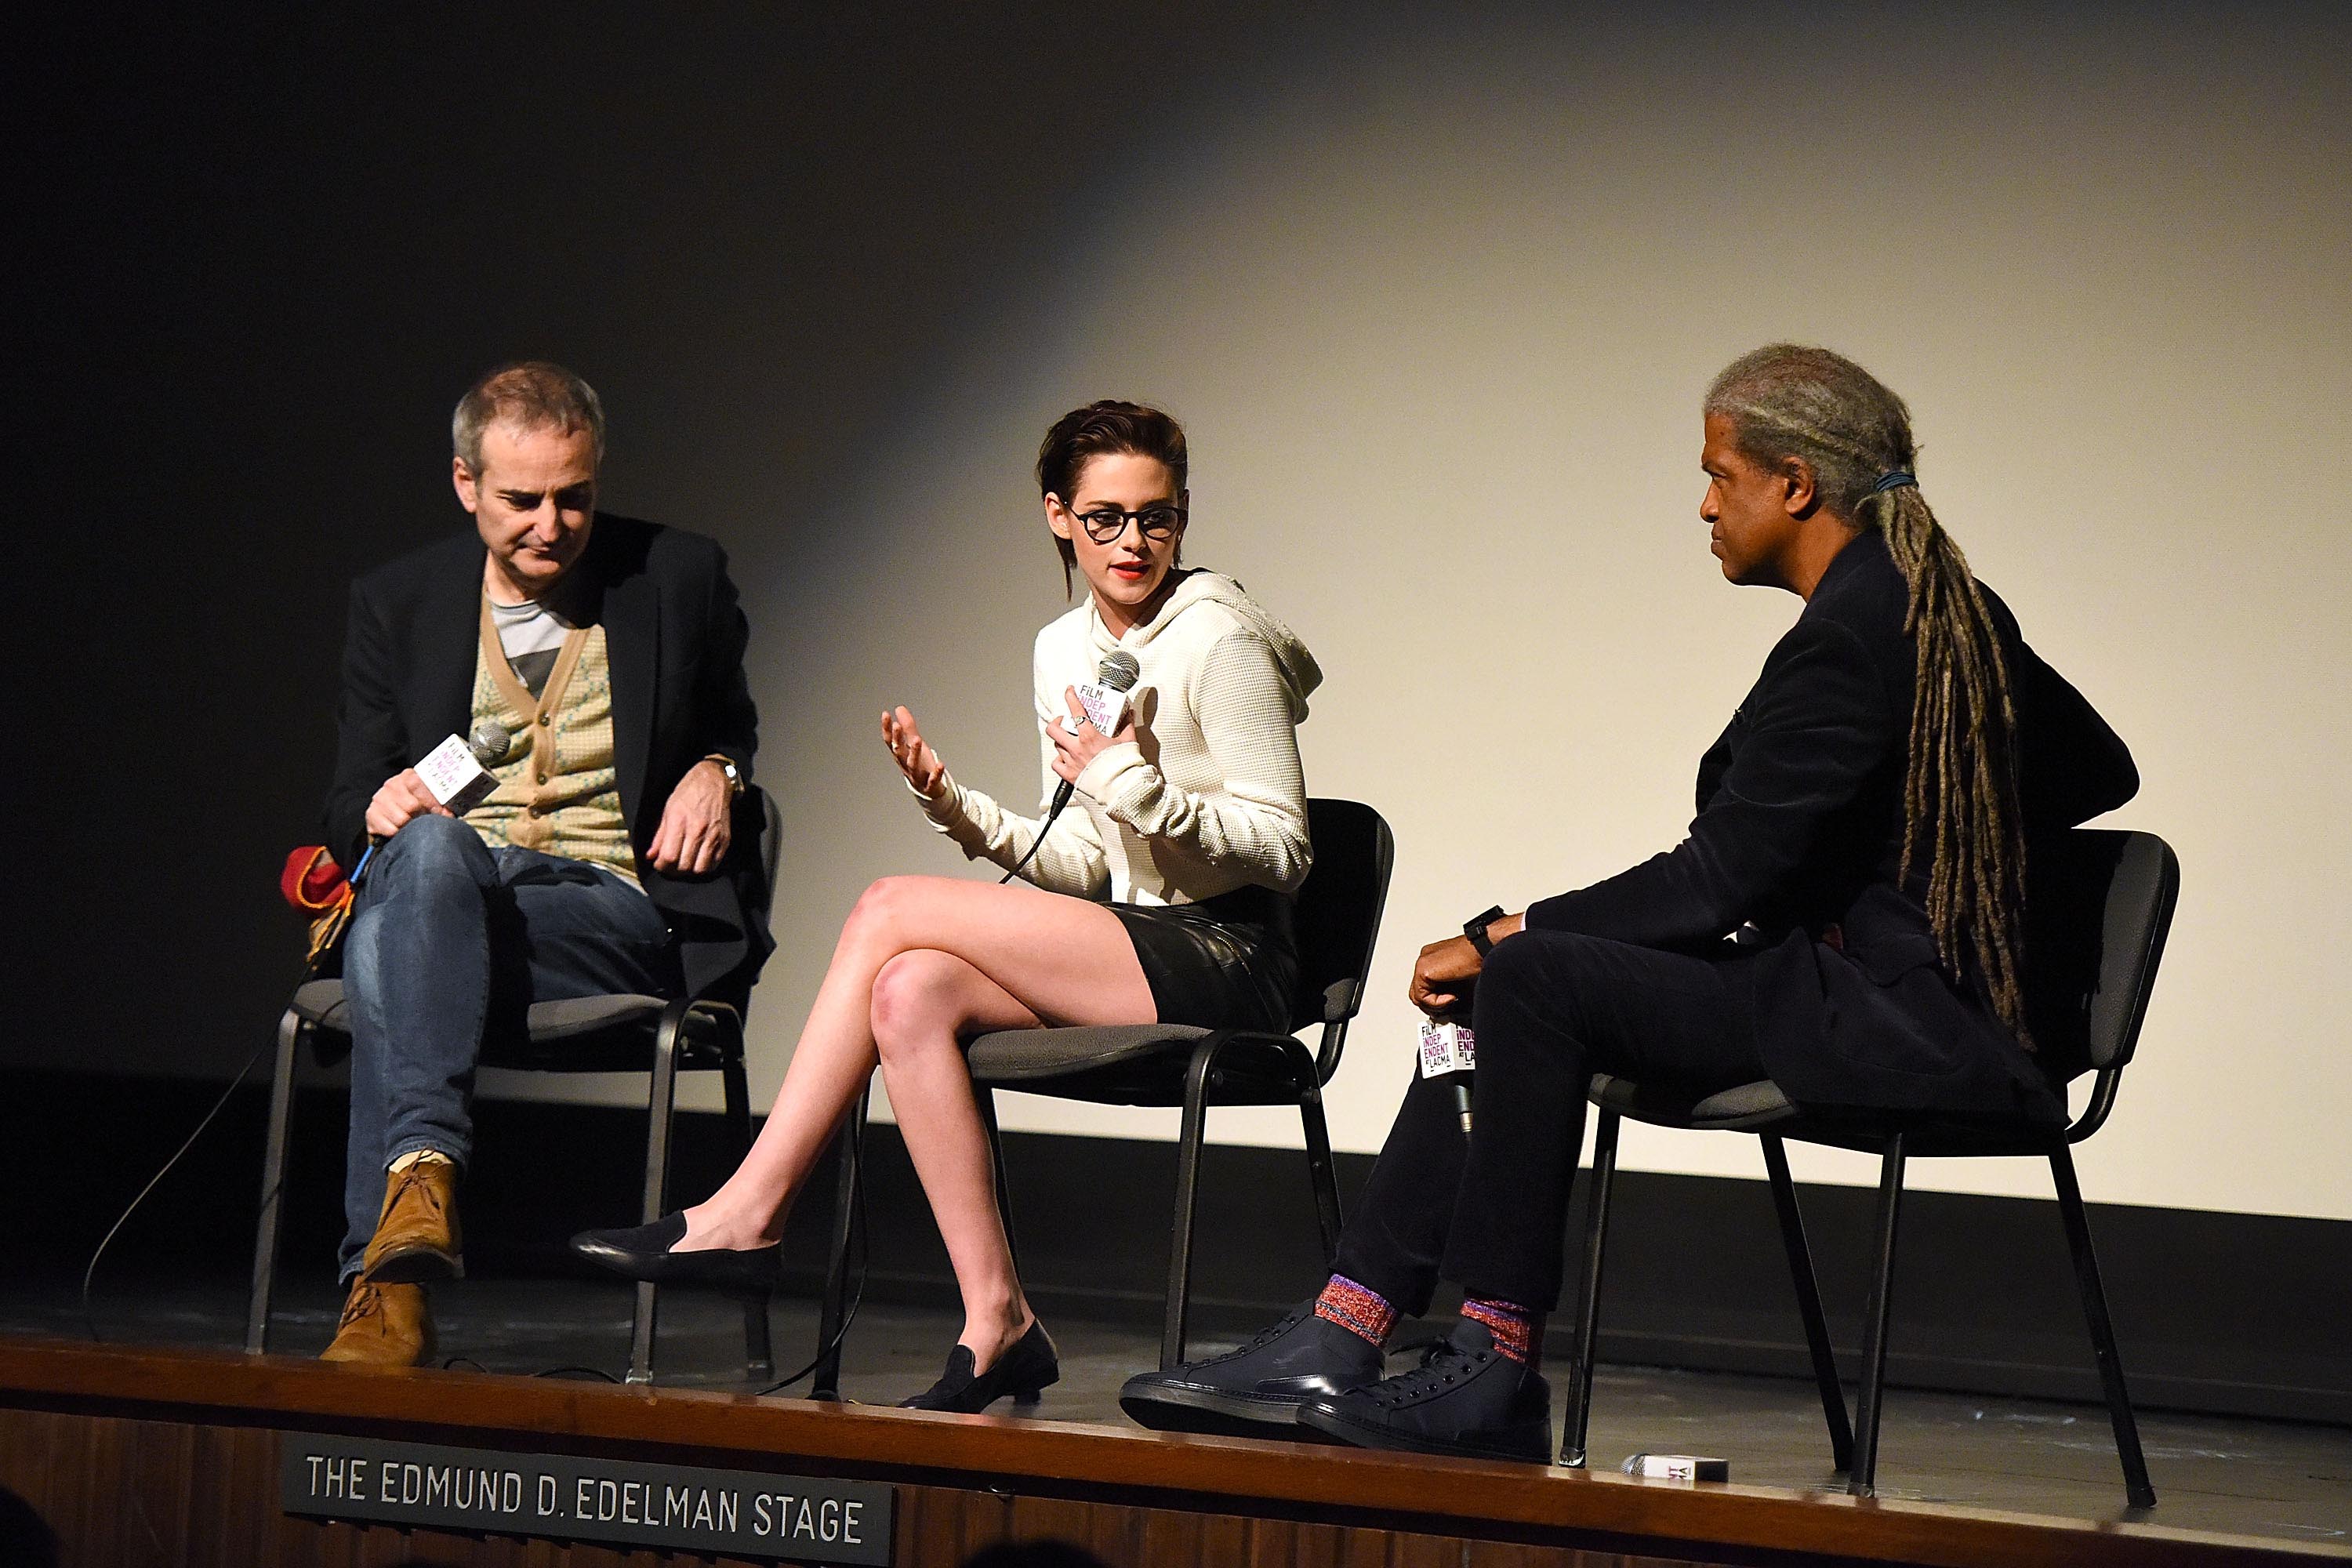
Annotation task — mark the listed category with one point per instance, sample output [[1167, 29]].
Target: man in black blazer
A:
[[619, 853], [1788, 936]]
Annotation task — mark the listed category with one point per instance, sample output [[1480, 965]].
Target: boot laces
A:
[[367, 1301], [414, 1178]]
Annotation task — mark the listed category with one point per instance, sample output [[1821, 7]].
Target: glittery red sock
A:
[[1358, 1309], [1515, 1329]]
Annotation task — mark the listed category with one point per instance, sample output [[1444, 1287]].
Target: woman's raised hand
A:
[[913, 753]]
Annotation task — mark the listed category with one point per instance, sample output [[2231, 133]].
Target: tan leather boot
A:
[[416, 1233], [383, 1325]]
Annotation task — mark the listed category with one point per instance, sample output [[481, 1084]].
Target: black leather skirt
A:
[[1226, 962]]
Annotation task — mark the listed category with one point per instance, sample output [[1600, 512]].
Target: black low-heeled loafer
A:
[[643, 1252], [1025, 1369]]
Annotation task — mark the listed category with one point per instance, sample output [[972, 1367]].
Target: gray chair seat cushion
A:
[[1742, 1104], [1762, 1107], [1748, 1105], [321, 1002], [578, 1033], [1137, 1063]]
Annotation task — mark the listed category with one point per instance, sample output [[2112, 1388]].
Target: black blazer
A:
[[674, 636], [1800, 834]]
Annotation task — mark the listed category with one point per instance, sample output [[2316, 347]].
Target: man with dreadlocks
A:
[[1845, 918]]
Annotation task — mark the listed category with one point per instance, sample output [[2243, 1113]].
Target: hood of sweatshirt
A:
[[1299, 670]]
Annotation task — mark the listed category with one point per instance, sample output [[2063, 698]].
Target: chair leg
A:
[[984, 1097], [2103, 1330], [1574, 1429], [1320, 1173], [826, 1382], [1188, 1183], [1862, 1480], [1809, 1301], [291, 1032], [759, 1355], [662, 1101]]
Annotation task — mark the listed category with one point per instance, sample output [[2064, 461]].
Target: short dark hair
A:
[[1102, 427], [531, 394]]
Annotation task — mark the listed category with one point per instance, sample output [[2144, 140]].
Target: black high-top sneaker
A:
[[1255, 1391], [1465, 1398]]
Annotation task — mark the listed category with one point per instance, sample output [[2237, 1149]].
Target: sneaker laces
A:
[[1443, 1364], [1290, 1321]]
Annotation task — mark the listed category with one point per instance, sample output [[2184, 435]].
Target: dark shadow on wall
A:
[[271, 249]]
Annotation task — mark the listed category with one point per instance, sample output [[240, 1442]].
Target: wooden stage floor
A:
[[1963, 1480]]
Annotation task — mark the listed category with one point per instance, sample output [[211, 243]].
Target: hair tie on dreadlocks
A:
[[1894, 480]]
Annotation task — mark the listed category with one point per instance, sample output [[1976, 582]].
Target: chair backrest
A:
[[2098, 906], [1337, 918]]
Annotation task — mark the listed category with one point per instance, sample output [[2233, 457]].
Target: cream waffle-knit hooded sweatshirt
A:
[[1208, 797]]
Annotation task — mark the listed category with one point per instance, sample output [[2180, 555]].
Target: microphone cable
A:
[[1061, 799], [489, 743], [89, 1275], [857, 1245], [1119, 672]]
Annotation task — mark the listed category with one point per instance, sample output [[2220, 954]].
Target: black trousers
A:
[[1550, 1009]]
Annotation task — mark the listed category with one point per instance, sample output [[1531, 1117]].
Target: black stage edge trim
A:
[[2219, 1313]]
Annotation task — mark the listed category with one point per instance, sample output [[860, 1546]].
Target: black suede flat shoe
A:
[[1023, 1371], [643, 1252]]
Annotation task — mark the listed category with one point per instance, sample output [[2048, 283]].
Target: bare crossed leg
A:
[[923, 963]]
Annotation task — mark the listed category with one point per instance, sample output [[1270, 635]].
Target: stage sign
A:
[[736, 1513]]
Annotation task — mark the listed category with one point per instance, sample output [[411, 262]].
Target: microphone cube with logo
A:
[[1450, 1050], [1447, 1048], [454, 772]]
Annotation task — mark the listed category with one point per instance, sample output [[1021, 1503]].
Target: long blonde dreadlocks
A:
[[1960, 797]]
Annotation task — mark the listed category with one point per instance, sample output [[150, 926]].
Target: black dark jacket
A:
[[1800, 834], [675, 637]]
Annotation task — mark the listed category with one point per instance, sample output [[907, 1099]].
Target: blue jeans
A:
[[450, 939]]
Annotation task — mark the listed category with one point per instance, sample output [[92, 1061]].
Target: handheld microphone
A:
[[456, 774], [1449, 1051], [1105, 697]]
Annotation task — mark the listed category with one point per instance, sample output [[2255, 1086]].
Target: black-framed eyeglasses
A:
[[1104, 524]]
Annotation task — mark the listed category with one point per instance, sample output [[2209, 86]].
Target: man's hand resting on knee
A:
[[694, 831], [1445, 970]]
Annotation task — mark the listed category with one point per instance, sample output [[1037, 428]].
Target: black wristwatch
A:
[[1474, 928]]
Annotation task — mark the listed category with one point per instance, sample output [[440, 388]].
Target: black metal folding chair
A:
[[2100, 905], [1338, 920], [589, 1034]]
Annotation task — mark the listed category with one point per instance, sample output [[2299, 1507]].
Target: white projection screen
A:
[[1437, 311]]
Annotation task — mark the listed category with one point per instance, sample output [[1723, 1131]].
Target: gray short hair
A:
[[533, 395]]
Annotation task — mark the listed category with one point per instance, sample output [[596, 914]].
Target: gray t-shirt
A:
[[531, 635]]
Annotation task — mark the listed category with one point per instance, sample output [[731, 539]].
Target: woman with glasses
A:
[[1161, 893]]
